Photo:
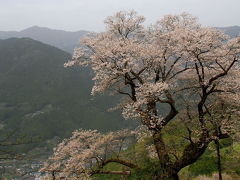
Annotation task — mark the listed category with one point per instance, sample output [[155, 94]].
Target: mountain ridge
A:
[[232, 31], [65, 40], [68, 40]]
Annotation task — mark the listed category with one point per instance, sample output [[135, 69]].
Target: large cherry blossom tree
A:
[[173, 71]]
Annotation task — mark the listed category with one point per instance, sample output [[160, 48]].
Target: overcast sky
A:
[[89, 14]]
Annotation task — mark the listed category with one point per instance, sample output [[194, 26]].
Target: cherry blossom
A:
[[193, 70]]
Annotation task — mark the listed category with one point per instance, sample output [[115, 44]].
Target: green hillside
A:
[[39, 97]]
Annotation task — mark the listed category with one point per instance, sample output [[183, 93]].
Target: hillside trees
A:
[[175, 64]]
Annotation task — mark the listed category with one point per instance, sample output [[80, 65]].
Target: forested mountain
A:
[[38, 96], [232, 31], [64, 40]]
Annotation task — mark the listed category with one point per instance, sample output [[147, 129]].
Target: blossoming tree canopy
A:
[[86, 152], [175, 62]]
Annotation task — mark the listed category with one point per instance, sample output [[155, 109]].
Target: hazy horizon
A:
[[75, 15], [80, 29]]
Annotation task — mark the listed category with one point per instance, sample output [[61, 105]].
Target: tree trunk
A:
[[218, 159]]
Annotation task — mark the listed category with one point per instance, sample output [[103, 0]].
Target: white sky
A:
[[89, 14]]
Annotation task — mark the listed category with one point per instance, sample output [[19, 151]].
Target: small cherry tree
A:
[[176, 63]]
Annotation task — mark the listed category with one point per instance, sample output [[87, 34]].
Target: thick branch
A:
[[223, 73], [191, 154], [114, 160], [129, 81], [194, 151], [160, 147], [172, 66], [123, 162], [173, 112], [111, 172], [137, 76]]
